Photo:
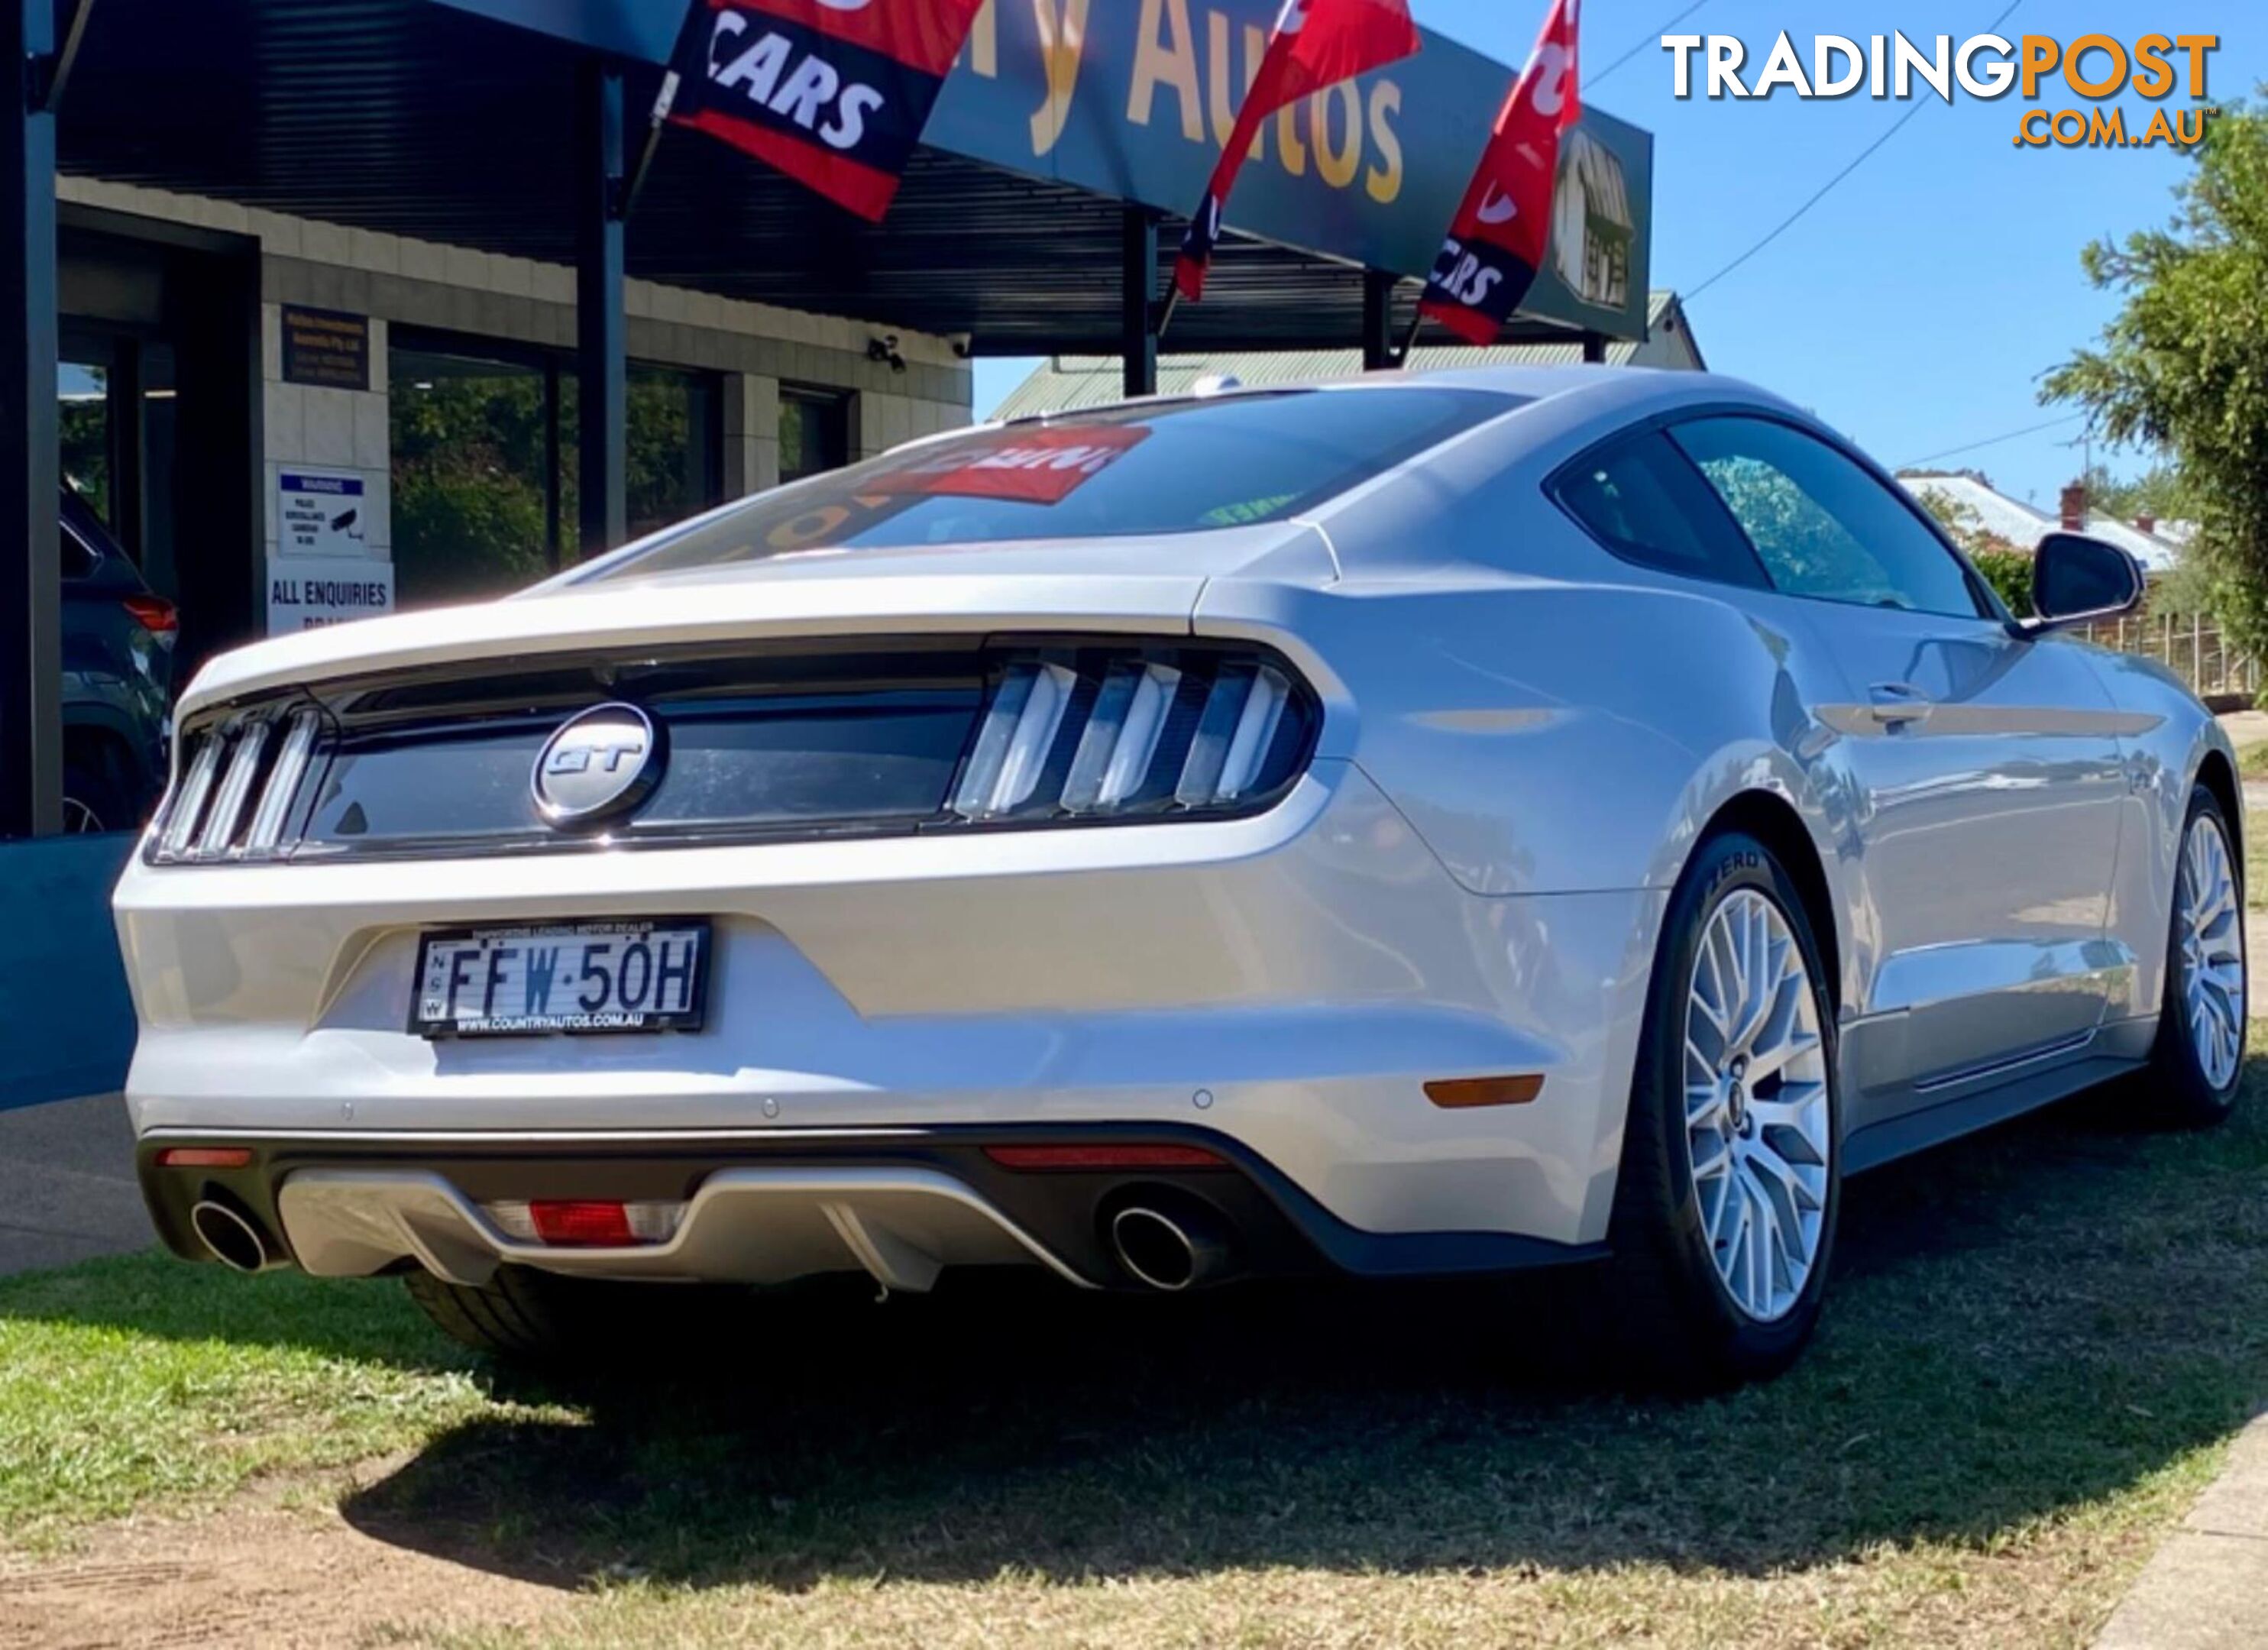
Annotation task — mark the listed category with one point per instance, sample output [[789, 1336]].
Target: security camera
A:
[[886, 349], [963, 345]]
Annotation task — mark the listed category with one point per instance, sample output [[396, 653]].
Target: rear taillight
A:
[[153, 614], [1096, 733], [239, 781]]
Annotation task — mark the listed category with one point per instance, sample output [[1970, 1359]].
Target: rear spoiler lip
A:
[[635, 618]]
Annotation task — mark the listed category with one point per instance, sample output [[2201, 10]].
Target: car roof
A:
[[1629, 393], [113, 569]]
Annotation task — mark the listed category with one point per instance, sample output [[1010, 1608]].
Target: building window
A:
[[83, 431], [476, 440], [815, 432], [485, 484], [676, 460]]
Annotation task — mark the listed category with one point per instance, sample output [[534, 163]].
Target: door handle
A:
[[1895, 703]]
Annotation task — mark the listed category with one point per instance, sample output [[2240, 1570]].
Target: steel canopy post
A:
[[602, 363], [31, 559], [1378, 288], [1137, 292]]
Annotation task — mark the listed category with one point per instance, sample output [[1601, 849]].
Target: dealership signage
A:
[[1132, 99], [308, 592], [327, 347]]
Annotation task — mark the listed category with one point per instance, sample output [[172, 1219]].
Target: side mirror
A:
[[2076, 578]]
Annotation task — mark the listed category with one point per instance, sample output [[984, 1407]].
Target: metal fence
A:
[[2189, 647]]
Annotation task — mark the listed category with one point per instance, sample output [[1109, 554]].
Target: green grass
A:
[[139, 1381], [2252, 760], [2037, 1344]]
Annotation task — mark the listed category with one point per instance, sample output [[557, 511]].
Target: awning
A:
[[449, 120]]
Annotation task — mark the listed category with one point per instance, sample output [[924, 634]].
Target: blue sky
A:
[[1916, 306]]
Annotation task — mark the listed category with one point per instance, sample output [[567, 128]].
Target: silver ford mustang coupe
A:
[[1418, 826]]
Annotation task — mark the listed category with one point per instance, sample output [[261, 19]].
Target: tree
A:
[[2007, 567], [2160, 491], [2184, 368], [472, 478]]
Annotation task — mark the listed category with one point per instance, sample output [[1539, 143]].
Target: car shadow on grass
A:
[[2021, 1324]]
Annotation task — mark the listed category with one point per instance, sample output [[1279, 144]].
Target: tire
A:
[[2189, 1086], [532, 1317], [96, 795], [1681, 1319]]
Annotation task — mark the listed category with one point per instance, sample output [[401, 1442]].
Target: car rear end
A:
[[961, 906]]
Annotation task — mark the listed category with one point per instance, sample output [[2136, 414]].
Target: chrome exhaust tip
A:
[[1168, 1252], [232, 1240]]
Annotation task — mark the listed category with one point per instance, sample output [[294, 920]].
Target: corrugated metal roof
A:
[[1993, 512], [1072, 383]]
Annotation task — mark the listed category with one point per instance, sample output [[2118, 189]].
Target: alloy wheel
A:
[[2211, 932], [1757, 1120]]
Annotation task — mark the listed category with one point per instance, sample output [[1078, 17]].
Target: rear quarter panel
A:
[[1550, 719], [2165, 752]]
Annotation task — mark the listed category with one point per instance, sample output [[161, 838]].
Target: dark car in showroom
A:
[[117, 675]]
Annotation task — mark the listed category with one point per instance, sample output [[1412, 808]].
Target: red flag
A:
[[1497, 241], [833, 93], [1316, 43]]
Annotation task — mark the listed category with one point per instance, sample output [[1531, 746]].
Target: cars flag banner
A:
[[1500, 236], [833, 93], [1315, 44]]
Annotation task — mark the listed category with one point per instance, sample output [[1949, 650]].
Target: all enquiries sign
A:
[[323, 572], [305, 593]]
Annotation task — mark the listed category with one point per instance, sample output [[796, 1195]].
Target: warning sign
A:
[[320, 514]]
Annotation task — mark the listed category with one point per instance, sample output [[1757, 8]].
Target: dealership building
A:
[[327, 308]]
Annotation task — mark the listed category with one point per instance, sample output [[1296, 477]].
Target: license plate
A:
[[534, 979]]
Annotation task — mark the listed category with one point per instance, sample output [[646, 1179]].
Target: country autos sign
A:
[[1135, 98], [1132, 99]]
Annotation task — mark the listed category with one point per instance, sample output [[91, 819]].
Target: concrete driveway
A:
[[67, 1188]]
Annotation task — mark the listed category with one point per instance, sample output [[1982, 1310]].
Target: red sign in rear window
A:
[[1045, 465]]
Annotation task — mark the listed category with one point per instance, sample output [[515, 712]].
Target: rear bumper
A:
[[899, 1205], [1289, 981]]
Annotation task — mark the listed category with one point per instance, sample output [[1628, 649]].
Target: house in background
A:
[[1072, 383], [2157, 544]]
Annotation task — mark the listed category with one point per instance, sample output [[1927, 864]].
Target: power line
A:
[[1821, 192], [1992, 441], [1593, 80]]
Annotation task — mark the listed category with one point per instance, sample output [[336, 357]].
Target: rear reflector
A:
[[1104, 1157], [587, 1223], [204, 1157], [583, 1224], [1459, 1092]]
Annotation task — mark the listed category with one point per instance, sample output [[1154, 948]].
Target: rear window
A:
[[1178, 467], [84, 540]]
